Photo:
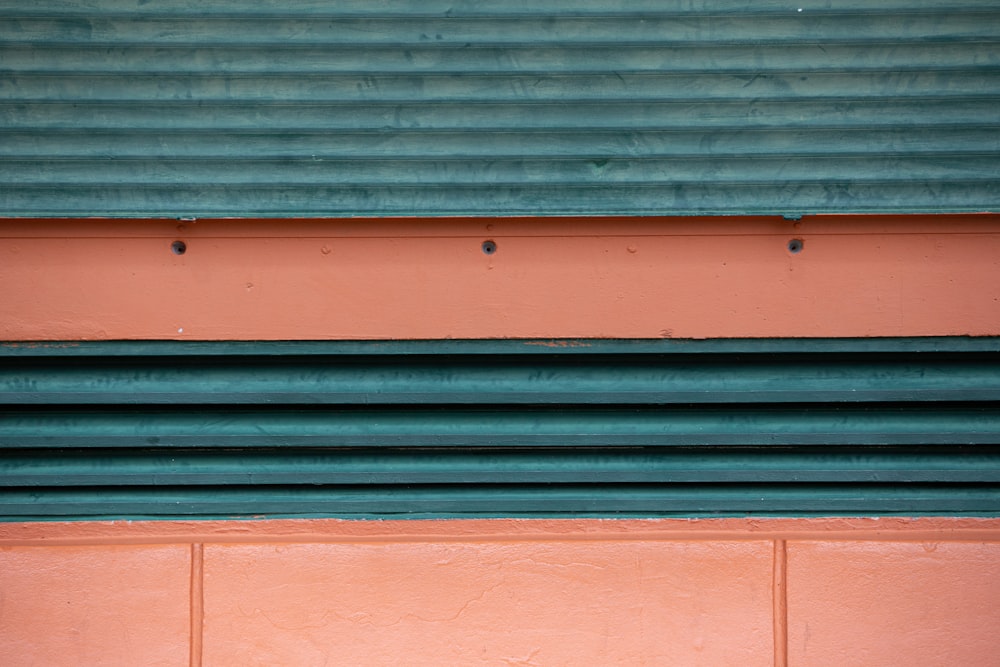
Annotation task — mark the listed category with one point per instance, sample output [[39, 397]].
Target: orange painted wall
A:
[[502, 592], [692, 592], [562, 278]]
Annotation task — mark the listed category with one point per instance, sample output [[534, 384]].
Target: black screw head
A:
[[178, 247], [489, 247], [795, 246]]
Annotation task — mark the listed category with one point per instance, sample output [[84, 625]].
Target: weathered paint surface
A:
[[304, 108], [108, 604], [501, 592], [538, 603], [603, 278], [919, 603]]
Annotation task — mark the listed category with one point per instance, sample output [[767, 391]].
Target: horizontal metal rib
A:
[[598, 171], [191, 151], [562, 426], [504, 379], [212, 200], [415, 115], [522, 59], [634, 466], [558, 26], [459, 8], [470, 88], [489, 501]]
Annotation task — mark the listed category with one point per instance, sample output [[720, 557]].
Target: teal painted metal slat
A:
[[562, 426], [500, 428], [591, 107], [507, 379], [106, 468], [486, 501]]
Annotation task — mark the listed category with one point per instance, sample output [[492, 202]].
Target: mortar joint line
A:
[[197, 602], [780, 598]]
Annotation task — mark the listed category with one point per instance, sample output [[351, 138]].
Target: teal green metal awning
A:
[[304, 108], [500, 428]]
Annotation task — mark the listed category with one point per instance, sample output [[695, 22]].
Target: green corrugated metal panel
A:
[[316, 108], [500, 428]]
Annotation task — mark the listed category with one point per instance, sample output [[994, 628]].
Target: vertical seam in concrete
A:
[[780, 598], [197, 601]]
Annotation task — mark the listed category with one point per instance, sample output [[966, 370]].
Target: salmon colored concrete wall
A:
[[589, 592], [502, 592], [563, 278]]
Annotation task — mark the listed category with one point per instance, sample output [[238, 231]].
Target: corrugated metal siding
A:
[[643, 428], [309, 108]]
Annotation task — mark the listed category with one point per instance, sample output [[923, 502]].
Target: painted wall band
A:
[[833, 276]]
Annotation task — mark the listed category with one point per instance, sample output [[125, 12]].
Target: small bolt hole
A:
[[489, 247], [178, 247], [795, 246]]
